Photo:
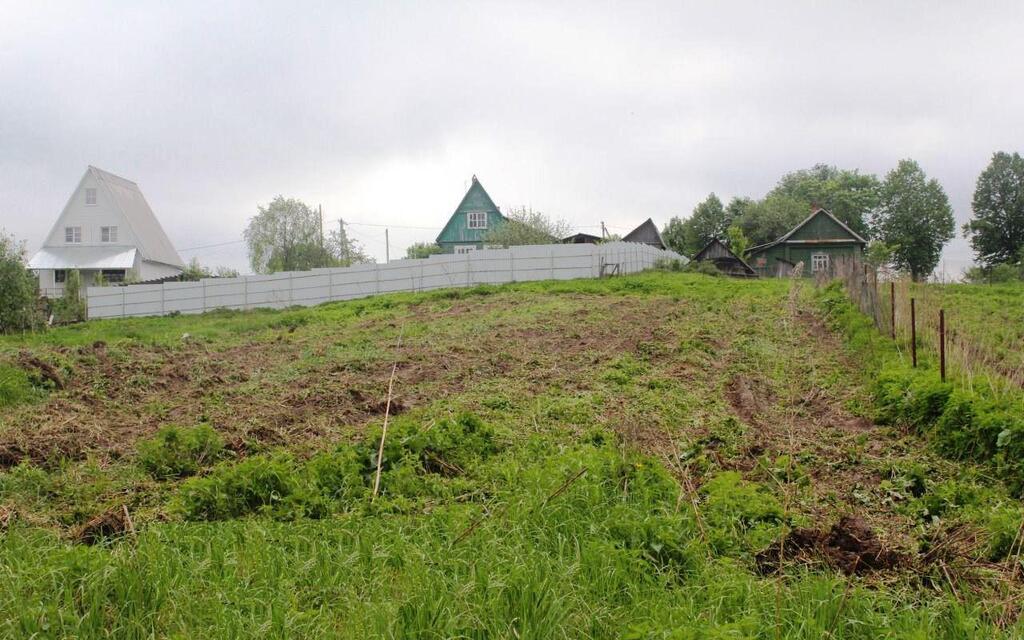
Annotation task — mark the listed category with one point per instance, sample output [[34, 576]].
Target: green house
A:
[[473, 218], [818, 242]]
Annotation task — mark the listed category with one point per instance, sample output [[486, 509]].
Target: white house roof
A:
[[153, 243], [83, 258]]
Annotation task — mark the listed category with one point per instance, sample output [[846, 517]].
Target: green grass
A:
[[587, 459]]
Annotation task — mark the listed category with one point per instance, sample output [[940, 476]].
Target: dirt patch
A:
[[741, 393], [849, 546], [45, 370], [110, 524]]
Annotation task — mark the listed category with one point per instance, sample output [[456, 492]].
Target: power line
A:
[[210, 246]]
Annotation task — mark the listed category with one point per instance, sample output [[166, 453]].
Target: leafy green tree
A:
[[423, 250], [674, 235], [849, 195], [914, 216], [526, 226], [768, 219], [996, 231], [286, 236], [19, 289], [738, 243], [707, 223]]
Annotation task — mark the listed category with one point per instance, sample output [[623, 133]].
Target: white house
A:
[[108, 229]]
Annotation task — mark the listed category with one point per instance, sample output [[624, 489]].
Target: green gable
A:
[[819, 241], [473, 218]]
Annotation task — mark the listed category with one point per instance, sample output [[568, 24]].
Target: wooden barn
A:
[[727, 262], [646, 233]]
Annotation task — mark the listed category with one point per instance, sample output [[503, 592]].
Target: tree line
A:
[[906, 216]]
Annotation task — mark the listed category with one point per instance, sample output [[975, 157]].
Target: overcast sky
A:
[[382, 112]]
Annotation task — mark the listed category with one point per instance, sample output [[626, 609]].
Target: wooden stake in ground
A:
[[387, 415]]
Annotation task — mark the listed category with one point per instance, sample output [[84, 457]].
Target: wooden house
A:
[[725, 260], [819, 241], [473, 218]]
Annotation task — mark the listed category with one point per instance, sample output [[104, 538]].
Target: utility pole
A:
[[320, 210], [343, 242], [387, 247], [604, 231]]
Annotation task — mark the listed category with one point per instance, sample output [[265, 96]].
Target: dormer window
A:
[[477, 220], [108, 234], [90, 196], [73, 235]]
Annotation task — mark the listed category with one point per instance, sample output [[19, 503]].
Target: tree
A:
[[526, 226], [286, 236], [738, 243], [769, 219], [914, 217], [708, 222], [674, 235], [848, 194], [19, 289], [996, 231], [423, 250]]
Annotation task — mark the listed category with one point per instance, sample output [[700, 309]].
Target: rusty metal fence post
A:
[[942, 344], [913, 332]]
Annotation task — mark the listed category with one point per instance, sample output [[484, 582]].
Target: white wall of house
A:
[[92, 218]]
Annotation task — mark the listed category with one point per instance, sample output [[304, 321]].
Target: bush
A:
[[705, 267], [19, 289], [177, 452], [70, 307], [741, 515], [259, 485], [669, 264]]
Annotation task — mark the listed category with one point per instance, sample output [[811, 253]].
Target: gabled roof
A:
[[581, 238], [125, 196], [476, 199], [819, 211], [75, 257], [646, 233], [719, 248]]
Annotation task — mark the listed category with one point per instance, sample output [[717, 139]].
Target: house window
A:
[[113, 275], [73, 235], [819, 262], [463, 249], [90, 195], [477, 219], [108, 234], [60, 276]]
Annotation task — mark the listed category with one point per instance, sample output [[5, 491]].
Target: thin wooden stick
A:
[[128, 519], [387, 415]]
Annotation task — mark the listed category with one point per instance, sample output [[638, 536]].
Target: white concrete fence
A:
[[307, 288]]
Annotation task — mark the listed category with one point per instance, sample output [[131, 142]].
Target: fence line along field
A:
[[661, 455]]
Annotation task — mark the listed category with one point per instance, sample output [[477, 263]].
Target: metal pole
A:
[[942, 344], [913, 332], [892, 307], [387, 247]]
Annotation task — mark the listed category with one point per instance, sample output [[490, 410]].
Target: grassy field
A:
[[656, 456]]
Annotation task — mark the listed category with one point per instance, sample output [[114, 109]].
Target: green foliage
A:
[[738, 242], [707, 222], [287, 235], [915, 217], [879, 254], [526, 226], [71, 306], [266, 485], [772, 217], [16, 387], [18, 289], [176, 452], [669, 264], [194, 271], [423, 250], [742, 516], [996, 230], [849, 195], [704, 267], [997, 274]]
